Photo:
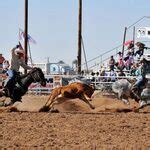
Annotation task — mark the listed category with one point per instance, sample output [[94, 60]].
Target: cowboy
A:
[[17, 60], [141, 79]]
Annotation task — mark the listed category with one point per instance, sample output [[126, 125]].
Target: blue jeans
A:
[[139, 82], [10, 81]]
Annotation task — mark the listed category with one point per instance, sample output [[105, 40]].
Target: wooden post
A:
[[79, 36], [26, 33], [124, 38]]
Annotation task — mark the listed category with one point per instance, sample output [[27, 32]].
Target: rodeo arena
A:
[[103, 103]]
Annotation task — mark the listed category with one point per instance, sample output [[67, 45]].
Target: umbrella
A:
[[128, 42]]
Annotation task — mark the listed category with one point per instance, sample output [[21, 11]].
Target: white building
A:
[[54, 68]]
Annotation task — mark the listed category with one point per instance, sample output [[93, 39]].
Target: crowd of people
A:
[[124, 64]]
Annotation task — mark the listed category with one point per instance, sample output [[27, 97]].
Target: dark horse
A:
[[23, 82]]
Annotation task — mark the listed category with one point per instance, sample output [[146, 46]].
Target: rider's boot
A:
[[2, 93], [143, 103], [8, 103]]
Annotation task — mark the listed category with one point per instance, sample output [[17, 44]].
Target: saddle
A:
[[8, 90]]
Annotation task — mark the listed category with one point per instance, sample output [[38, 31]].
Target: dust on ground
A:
[[76, 126]]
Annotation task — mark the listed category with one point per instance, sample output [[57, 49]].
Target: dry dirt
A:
[[76, 126]]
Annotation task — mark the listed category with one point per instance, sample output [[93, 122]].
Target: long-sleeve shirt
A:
[[16, 62]]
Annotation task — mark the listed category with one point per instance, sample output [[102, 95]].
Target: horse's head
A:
[[38, 76]]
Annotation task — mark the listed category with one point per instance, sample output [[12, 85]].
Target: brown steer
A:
[[73, 90]]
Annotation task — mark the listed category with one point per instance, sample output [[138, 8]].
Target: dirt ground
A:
[[76, 126]]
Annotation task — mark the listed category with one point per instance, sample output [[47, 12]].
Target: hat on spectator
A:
[[119, 53]]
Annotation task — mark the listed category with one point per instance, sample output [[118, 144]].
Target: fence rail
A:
[[36, 88]]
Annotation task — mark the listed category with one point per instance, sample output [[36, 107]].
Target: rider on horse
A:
[[141, 79], [17, 60]]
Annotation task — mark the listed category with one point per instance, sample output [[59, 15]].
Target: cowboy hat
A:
[[19, 51]]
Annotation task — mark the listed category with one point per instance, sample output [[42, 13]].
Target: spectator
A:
[[103, 75], [111, 63], [129, 61], [131, 48], [133, 69], [119, 55], [5, 66], [121, 64], [112, 76], [1, 60]]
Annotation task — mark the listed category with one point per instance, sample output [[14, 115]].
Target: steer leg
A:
[[86, 100], [48, 104]]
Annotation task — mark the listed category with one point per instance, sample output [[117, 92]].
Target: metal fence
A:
[[97, 81]]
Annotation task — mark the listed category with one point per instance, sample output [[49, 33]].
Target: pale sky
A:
[[54, 26]]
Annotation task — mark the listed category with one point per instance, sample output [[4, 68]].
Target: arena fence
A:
[[102, 83], [52, 81], [56, 81]]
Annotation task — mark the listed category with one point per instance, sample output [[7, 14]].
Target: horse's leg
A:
[[86, 100], [125, 99], [134, 95]]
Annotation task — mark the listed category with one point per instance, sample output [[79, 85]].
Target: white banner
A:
[[143, 32]]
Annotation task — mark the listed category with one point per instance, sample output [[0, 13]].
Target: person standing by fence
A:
[[1, 61], [111, 63]]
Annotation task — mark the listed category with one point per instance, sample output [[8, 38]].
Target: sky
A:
[[53, 24]]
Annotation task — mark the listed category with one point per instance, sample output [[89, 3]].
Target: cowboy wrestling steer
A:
[[73, 90]]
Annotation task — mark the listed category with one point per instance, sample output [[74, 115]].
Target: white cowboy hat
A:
[[19, 51]]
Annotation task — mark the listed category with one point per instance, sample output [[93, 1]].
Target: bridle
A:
[[34, 78]]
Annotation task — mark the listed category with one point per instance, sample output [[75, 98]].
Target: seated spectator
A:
[[5, 66], [1, 60], [119, 55], [129, 60], [133, 69], [121, 64], [111, 63], [112, 76], [103, 75]]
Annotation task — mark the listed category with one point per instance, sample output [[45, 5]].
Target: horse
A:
[[73, 90], [124, 90], [23, 82]]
